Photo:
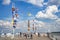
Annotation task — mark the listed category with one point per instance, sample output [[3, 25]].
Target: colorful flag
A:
[[12, 22], [15, 20], [13, 9], [28, 28], [16, 15], [14, 26]]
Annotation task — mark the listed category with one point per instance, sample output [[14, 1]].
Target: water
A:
[[56, 35]]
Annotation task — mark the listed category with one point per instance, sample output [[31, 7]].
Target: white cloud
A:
[[21, 23], [50, 27], [45, 3], [39, 23], [54, 2], [49, 12], [41, 14], [5, 23], [52, 8], [36, 2], [6, 2], [8, 24], [58, 21]]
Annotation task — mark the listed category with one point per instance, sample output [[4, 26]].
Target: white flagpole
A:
[[13, 32]]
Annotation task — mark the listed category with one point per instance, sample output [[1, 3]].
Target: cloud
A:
[[42, 26], [5, 23], [45, 26], [39, 23], [21, 24], [58, 21], [6, 2], [37, 2], [45, 3], [49, 12], [54, 2], [8, 24]]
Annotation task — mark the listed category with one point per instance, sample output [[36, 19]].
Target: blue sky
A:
[[24, 9], [42, 11]]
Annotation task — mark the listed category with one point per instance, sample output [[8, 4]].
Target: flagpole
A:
[[14, 18], [29, 14], [13, 32], [34, 28], [13, 12], [28, 25]]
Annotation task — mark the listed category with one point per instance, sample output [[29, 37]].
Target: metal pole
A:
[[13, 32], [28, 25]]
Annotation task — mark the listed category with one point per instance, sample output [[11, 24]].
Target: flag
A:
[[12, 22], [16, 11], [15, 20], [16, 15], [28, 28], [14, 26], [13, 9]]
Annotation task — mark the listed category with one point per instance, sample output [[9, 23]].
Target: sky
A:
[[45, 13]]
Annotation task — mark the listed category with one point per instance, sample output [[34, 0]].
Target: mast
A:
[[33, 26], [28, 25], [14, 17]]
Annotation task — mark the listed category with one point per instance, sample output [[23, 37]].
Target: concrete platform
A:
[[24, 38]]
